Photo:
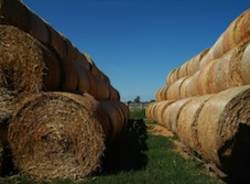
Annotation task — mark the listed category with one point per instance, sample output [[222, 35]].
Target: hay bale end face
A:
[[26, 65], [218, 128], [57, 135]]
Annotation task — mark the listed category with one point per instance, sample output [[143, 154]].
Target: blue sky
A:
[[137, 42]]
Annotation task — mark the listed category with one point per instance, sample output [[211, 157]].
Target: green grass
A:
[[164, 166], [137, 114]]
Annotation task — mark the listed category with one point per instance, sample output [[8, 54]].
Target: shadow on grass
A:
[[128, 151]]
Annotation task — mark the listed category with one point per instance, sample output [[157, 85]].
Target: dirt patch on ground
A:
[[156, 129]]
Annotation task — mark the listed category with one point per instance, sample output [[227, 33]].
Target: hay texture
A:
[[214, 126], [219, 128], [117, 116], [237, 32], [187, 121], [171, 113], [230, 70], [26, 65], [187, 69], [29, 67], [57, 135]]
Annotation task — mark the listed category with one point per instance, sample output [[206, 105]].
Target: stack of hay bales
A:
[[207, 106], [57, 107]]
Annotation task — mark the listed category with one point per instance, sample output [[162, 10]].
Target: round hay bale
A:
[[172, 112], [223, 129], [203, 79], [103, 90], [83, 78], [183, 71], [57, 135], [236, 33], [161, 107], [149, 111], [174, 76], [71, 79], [245, 65], [187, 69], [169, 77], [184, 86], [164, 93], [92, 85], [161, 94], [242, 30], [118, 116], [157, 95], [189, 87], [58, 42], [174, 91], [194, 63], [114, 94], [218, 78], [95, 70], [26, 65], [152, 111], [187, 121]]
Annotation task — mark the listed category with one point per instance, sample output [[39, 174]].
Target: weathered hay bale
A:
[[230, 70], [148, 111], [118, 116], [160, 109], [194, 63], [157, 95], [187, 69], [183, 70], [172, 112], [103, 90], [174, 91], [189, 86], [223, 129], [57, 135], [114, 94], [187, 121], [34, 68], [95, 70], [237, 32], [83, 78], [26, 67], [24, 63], [244, 64], [203, 79], [215, 126], [161, 94], [170, 79], [15, 13]]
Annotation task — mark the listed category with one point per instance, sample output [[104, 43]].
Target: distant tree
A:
[[137, 99], [129, 102], [151, 101]]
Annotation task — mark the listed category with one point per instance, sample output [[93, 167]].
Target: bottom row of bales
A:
[[62, 135], [216, 127]]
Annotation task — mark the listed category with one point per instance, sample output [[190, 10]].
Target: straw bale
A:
[[57, 135]]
